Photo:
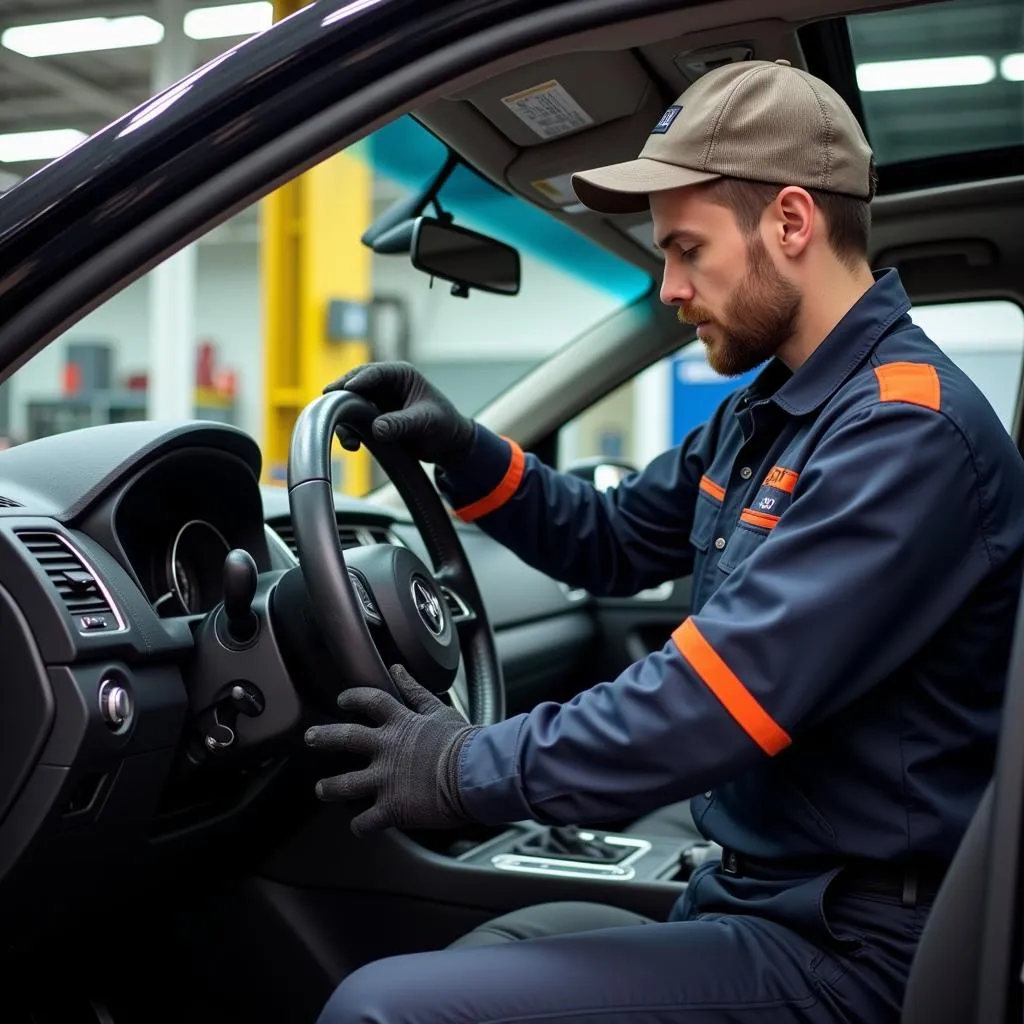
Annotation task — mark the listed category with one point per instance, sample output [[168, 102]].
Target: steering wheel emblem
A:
[[428, 604]]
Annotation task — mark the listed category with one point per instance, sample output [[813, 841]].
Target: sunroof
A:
[[941, 79]]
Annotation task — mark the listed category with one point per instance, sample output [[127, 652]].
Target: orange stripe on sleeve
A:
[[781, 479], [731, 693], [506, 488], [916, 383], [708, 486], [748, 515]]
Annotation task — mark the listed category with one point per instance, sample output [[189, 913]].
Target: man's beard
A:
[[760, 316]]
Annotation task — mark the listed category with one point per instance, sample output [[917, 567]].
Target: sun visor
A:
[[543, 173], [559, 97]]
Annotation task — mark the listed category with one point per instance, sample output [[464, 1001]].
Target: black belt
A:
[[913, 884]]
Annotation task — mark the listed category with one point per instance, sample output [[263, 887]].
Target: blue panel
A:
[[408, 154], [696, 391]]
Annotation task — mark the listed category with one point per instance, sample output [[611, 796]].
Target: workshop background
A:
[[247, 324]]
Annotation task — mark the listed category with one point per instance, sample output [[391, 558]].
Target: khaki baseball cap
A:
[[760, 120]]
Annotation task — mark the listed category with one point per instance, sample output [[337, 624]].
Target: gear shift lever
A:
[[566, 842]]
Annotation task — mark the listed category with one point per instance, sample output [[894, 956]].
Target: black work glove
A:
[[413, 774], [413, 413]]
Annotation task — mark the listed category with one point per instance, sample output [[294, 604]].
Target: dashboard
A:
[[113, 543]]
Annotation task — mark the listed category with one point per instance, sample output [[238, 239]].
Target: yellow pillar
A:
[[310, 256]]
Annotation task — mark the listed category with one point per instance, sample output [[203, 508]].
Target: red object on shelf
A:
[[72, 378], [206, 362]]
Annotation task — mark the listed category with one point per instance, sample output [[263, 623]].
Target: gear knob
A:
[[240, 578]]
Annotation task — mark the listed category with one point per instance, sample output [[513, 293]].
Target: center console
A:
[[582, 854], [479, 872]]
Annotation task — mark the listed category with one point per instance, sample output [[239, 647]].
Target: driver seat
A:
[[943, 983]]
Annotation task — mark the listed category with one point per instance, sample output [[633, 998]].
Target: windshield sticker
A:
[[548, 110]]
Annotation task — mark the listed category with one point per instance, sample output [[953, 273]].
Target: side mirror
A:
[[466, 258], [602, 471]]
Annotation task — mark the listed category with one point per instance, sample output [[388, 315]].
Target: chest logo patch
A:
[[781, 479]]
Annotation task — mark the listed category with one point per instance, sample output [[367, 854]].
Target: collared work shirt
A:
[[854, 532]]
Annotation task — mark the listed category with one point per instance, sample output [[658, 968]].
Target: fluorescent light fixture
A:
[[23, 147], [82, 35], [1012, 67], [930, 73], [229, 20]]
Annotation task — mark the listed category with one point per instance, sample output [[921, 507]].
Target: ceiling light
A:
[[930, 73], [83, 35], [229, 20], [19, 147], [1012, 67]]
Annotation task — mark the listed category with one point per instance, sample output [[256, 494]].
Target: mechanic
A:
[[853, 524]]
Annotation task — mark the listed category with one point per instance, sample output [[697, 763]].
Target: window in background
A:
[[942, 78], [986, 340]]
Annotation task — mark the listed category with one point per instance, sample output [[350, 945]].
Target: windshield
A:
[[249, 323]]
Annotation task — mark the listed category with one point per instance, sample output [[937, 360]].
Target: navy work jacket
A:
[[854, 533]]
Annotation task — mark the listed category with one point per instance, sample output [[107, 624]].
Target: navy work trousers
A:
[[738, 951]]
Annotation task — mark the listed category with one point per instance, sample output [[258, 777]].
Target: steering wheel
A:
[[381, 604]]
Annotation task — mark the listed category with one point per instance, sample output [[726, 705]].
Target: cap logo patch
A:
[[666, 120]]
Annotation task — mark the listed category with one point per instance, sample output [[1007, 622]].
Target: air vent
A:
[[378, 535], [351, 536], [76, 582], [9, 503]]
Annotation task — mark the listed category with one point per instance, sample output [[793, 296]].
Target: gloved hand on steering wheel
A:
[[413, 774], [413, 413]]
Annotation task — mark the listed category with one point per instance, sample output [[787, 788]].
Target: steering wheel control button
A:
[[428, 605], [460, 611], [365, 601], [116, 706]]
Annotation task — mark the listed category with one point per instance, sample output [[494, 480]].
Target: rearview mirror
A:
[[466, 258]]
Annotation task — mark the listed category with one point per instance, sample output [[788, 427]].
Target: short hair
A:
[[847, 218]]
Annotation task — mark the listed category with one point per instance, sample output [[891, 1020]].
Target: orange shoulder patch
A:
[[916, 383]]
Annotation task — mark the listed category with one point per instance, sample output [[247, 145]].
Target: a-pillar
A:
[[172, 289]]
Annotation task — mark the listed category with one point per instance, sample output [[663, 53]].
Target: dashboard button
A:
[[115, 704], [92, 622]]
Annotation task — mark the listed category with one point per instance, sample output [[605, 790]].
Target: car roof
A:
[[936, 155]]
